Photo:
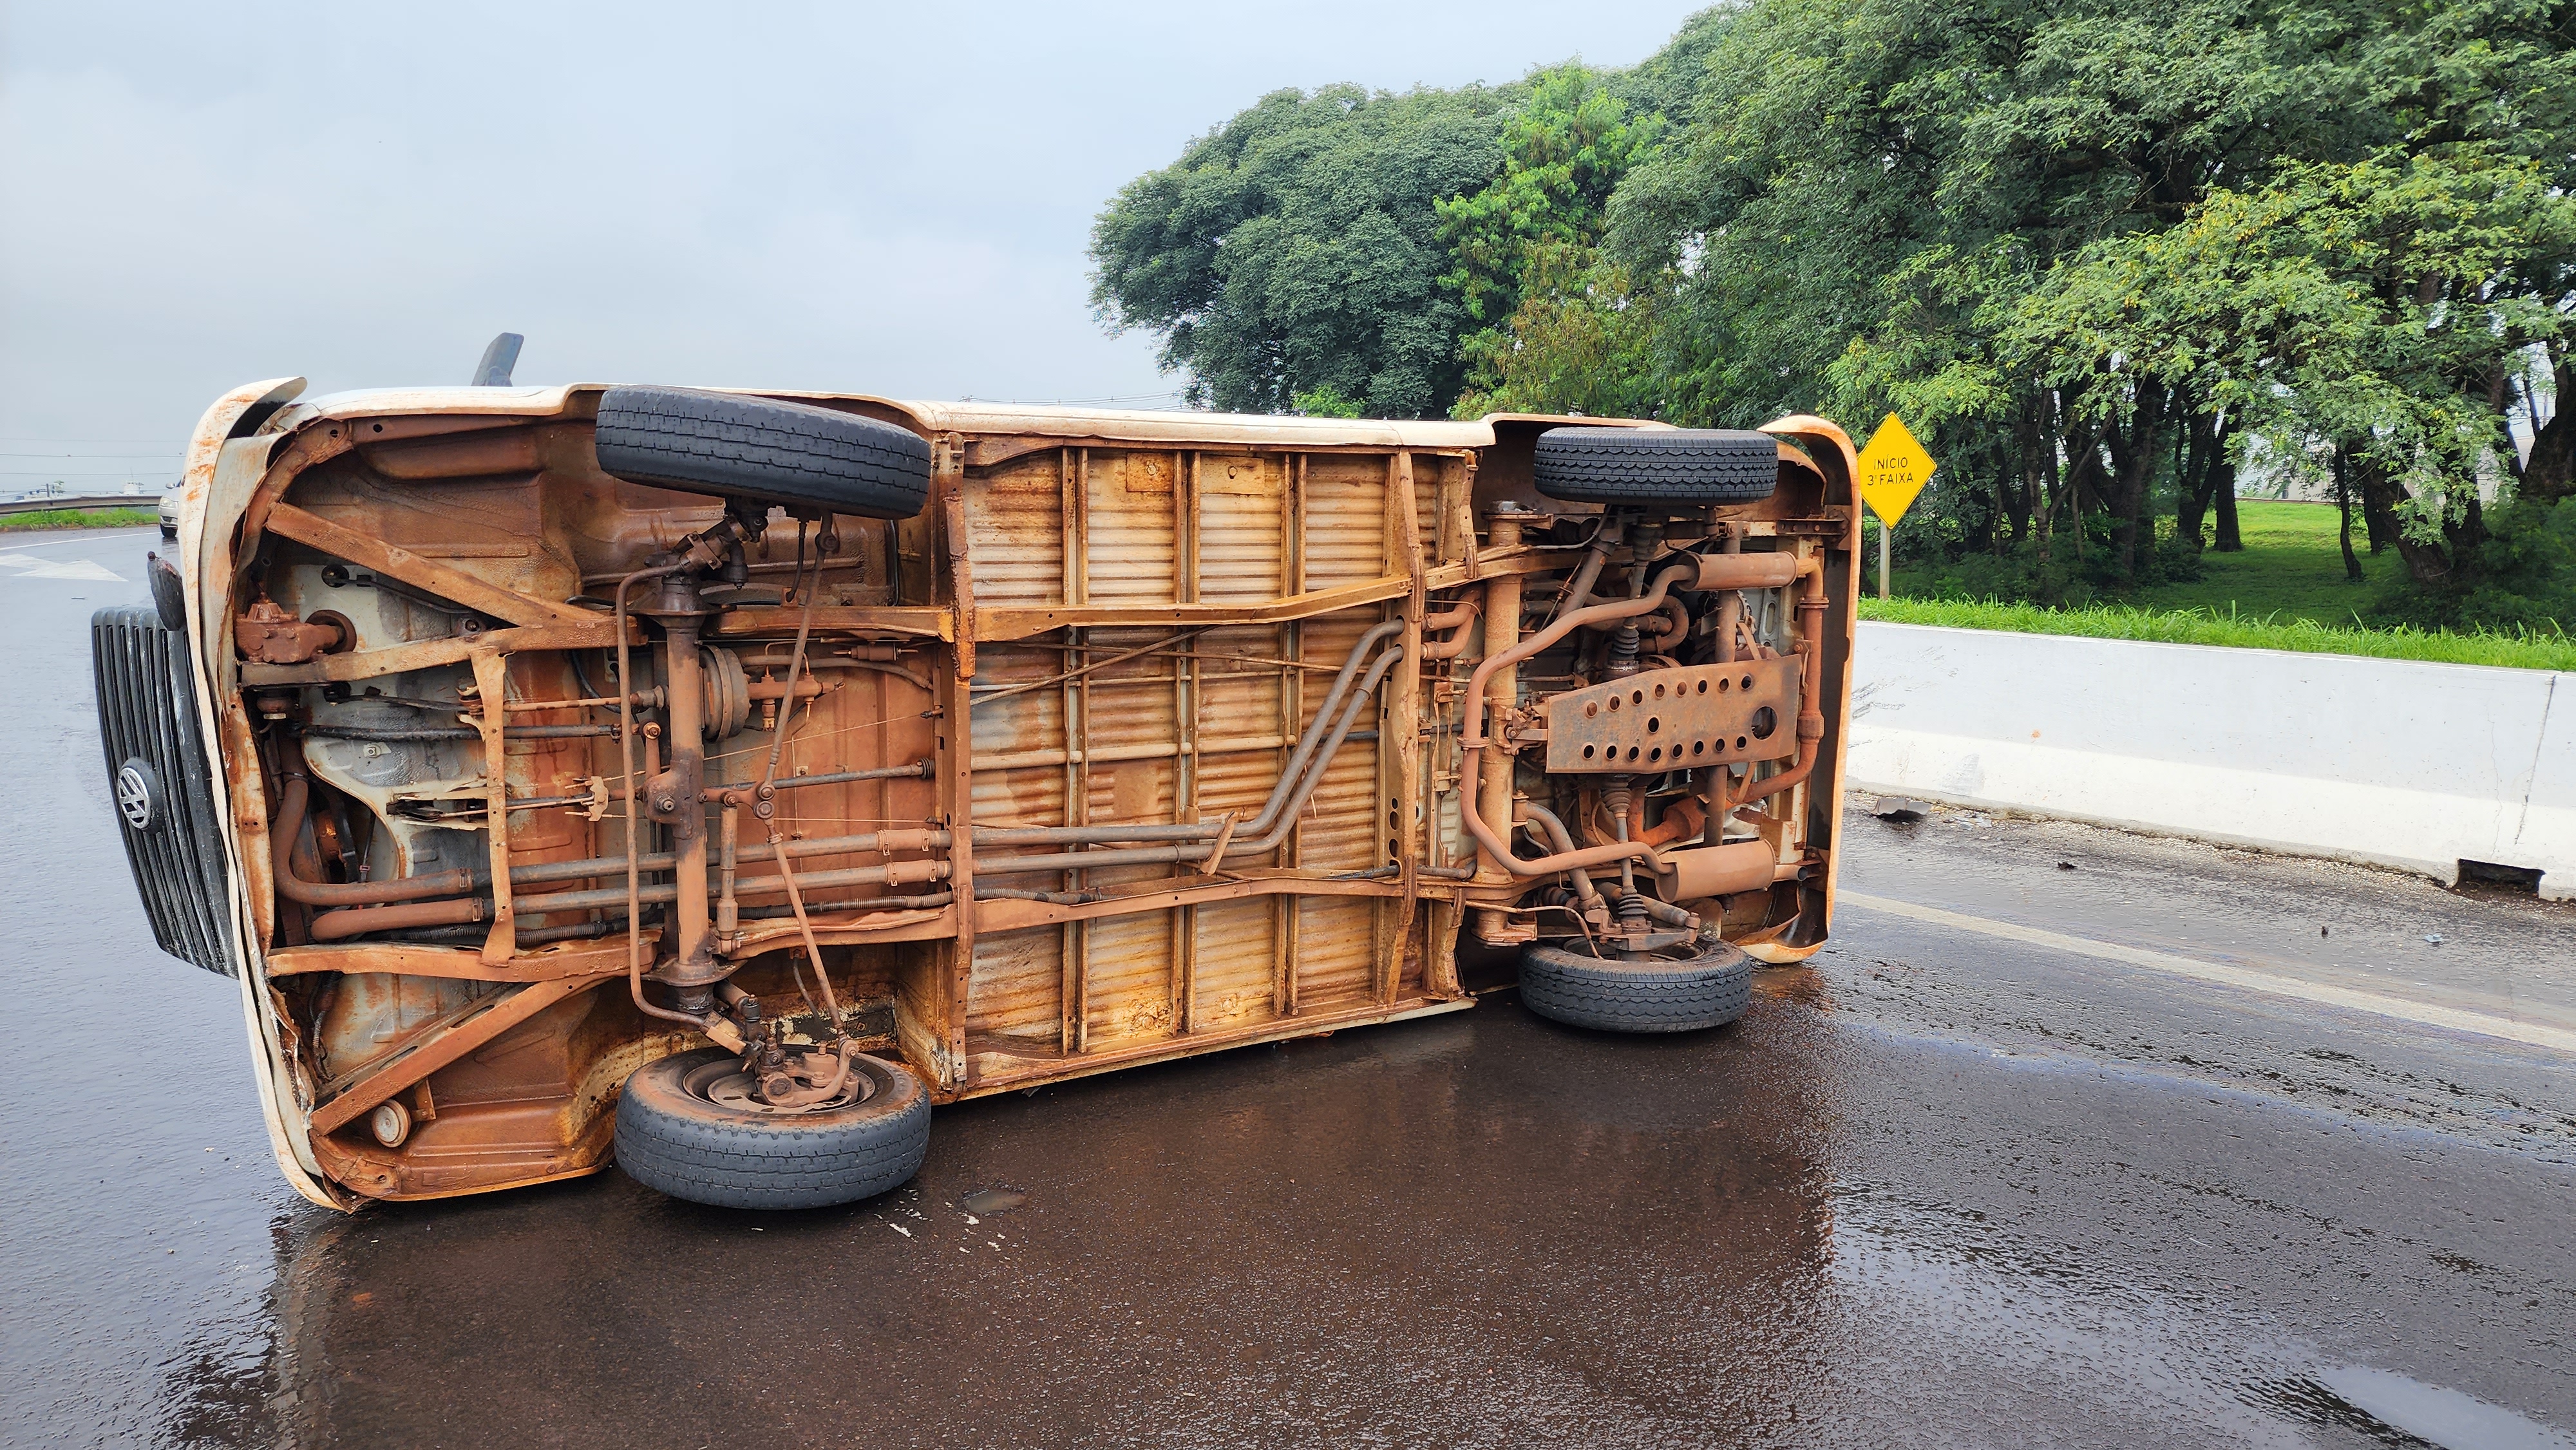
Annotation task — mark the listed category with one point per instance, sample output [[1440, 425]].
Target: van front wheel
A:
[[686, 1126]]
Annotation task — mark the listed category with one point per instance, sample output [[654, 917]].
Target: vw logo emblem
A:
[[138, 794]]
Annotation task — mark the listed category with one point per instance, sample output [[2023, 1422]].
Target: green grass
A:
[[2291, 568], [2219, 627], [2285, 590], [78, 519]]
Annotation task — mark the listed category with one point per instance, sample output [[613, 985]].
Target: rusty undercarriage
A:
[[1148, 734]]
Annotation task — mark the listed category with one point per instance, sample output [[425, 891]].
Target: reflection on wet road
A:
[[1937, 1188]]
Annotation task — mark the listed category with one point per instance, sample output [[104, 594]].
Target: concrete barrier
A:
[[2416, 766]]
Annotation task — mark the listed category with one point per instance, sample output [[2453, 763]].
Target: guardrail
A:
[[147, 502], [2422, 767]]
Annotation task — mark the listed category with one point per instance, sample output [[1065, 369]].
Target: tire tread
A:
[[692, 1151], [788, 453], [1709, 990], [1656, 465]]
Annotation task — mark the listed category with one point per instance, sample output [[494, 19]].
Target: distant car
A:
[[170, 514]]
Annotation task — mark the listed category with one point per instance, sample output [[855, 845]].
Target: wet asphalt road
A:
[[1942, 1186]]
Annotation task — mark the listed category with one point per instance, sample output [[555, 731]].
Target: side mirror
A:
[[500, 356], [167, 600]]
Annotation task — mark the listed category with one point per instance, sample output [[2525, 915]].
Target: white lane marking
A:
[[73, 569], [18, 561], [2429, 1412], [2531, 1033]]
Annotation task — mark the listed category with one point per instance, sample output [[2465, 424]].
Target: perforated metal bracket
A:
[[1677, 719]]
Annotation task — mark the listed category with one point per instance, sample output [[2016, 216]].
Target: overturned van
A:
[[711, 782]]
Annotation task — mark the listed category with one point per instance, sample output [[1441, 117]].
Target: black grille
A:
[[147, 717]]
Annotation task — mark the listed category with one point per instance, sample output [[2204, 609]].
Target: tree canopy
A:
[[1296, 249], [2098, 257]]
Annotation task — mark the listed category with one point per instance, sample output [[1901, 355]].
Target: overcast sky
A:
[[880, 199]]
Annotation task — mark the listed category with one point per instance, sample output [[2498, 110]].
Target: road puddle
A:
[[993, 1200]]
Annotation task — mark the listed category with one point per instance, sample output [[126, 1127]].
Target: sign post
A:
[[1893, 469], [1882, 558]]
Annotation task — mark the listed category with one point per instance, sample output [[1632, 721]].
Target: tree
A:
[[1325, 401], [1565, 148], [1296, 248], [2376, 305], [1980, 147], [1582, 339]]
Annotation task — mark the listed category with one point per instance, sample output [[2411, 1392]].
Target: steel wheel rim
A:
[[723, 1085]]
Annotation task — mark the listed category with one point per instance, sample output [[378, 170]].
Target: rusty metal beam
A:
[[956, 786], [910, 621], [999, 624], [492, 687], [1400, 769], [306, 527], [1000, 914], [459, 964], [948, 487], [867, 928], [594, 633], [495, 1015], [1518, 559], [1043, 1068]]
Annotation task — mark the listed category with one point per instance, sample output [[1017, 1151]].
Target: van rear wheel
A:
[[687, 1125], [1710, 988]]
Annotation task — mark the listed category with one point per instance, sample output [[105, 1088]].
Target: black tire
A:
[[757, 448], [690, 1148], [1580, 990], [1656, 465]]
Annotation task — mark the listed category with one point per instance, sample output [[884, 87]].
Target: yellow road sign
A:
[[1893, 469]]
